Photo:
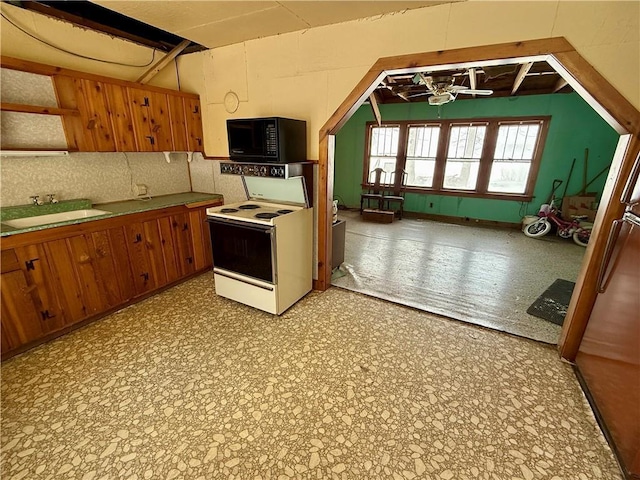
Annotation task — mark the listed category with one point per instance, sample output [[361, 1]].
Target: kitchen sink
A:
[[54, 218]]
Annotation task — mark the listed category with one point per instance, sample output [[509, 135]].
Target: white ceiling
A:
[[215, 23]]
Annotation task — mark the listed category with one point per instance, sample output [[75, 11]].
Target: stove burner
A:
[[249, 206], [266, 215], [228, 210], [284, 211]]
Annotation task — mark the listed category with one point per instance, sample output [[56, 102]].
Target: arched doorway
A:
[[591, 86]]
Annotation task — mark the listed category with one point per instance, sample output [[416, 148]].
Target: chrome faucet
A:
[[51, 198], [36, 200]]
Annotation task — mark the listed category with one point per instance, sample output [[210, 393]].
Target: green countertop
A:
[[115, 208]]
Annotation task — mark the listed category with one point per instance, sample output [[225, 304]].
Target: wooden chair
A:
[[396, 191], [376, 189]]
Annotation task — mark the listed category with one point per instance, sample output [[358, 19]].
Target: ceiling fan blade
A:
[[420, 94], [471, 91]]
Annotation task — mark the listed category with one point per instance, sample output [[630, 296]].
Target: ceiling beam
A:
[[374, 106], [560, 84], [524, 69], [473, 80], [163, 62]]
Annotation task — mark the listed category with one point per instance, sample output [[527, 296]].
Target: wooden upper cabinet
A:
[[103, 114], [151, 120], [194, 124]]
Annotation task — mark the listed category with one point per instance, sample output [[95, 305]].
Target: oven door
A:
[[244, 248]]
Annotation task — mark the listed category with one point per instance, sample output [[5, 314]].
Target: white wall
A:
[[14, 43], [308, 74]]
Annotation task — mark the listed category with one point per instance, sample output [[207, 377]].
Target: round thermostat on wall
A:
[[231, 101]]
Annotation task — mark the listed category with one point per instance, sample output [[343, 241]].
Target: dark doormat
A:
[[553, 303]]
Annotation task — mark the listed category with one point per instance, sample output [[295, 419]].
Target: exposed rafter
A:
[[560, 84], [163, 62], [374, 106], [524, 69], [473, 80]]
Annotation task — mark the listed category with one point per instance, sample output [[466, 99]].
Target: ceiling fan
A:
[[442, 89]]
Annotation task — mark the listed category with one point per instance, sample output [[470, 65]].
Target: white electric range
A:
[[263, 247]]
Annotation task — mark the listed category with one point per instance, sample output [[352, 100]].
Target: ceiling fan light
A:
[[441, 99]]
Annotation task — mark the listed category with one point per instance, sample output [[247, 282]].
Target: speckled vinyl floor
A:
[[486, 276], [187, 385]]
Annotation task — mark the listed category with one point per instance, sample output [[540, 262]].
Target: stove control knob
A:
[[246, 170], [263, 171], [281, 172], [274, 171], [238, 169]]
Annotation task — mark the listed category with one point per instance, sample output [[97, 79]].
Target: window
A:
[[491, 158], [422, 146], [512, 158], [463, 156], [384, 149]]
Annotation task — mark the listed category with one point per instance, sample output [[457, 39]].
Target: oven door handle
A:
[[239, 223], [238, 278]]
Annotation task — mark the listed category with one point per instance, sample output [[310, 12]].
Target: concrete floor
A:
[[191, 386], [486, 276]]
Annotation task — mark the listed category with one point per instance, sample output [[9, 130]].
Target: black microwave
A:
[[267, 140]]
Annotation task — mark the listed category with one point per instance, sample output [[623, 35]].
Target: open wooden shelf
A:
[[16, 107]]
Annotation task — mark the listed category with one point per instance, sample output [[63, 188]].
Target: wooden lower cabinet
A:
[[55, 278]]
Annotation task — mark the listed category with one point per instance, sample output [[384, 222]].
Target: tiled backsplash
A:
[[101, 177]]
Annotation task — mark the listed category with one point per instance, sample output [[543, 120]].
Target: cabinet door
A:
[[91, 130], [121, 119], [151, 120], [97, 272], [34, 271], [178, 123], [201, 238], [194, 124], [153, 244], [22, 320], [183, 243], [146, 256], [143, 278], [141, 117], [120, 257], [98, 121], [78, 137], [168, 249], [65, 280]]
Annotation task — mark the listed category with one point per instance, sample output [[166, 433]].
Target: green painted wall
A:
[[574, 127]]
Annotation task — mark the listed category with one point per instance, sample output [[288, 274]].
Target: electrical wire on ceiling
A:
[[153, 56]]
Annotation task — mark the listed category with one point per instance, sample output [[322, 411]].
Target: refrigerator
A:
[[608, 359]]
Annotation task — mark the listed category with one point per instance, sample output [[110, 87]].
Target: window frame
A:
[[486, 159]]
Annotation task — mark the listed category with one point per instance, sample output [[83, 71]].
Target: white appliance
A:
[[263, 247]]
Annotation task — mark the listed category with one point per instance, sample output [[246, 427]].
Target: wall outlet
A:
[[140, 189]]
